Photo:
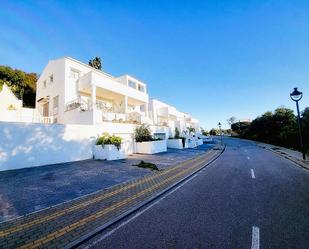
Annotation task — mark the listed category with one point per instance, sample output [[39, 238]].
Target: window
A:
[[44, 84], [51, 79], [74, 73], [56, 104], [132, 84], [141, 88]]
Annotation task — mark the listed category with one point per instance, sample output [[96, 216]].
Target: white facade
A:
[[167, 115], [71, 92]]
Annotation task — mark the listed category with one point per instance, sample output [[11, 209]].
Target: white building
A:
[[76, 103], [71, 92], [167, 115]]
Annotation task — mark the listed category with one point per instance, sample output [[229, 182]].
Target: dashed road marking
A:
[[252, 174], [255, 244], [248, 157]]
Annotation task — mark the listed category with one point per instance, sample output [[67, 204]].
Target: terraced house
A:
[[71, 92], [76, 103]]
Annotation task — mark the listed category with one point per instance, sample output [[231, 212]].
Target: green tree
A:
[[214, 132], [96, 63], [305, 123], [21, 83]]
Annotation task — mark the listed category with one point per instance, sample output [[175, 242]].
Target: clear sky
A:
[[213, 59]]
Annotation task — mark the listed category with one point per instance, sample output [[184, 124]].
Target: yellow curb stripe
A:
[[97, 199], [99, 214]]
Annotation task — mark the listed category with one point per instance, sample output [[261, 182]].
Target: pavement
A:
[[248, 198], [68, 224], [28, 190], [293, 155]]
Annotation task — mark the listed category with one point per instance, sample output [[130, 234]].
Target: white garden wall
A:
[[174, 143], [27, 144]]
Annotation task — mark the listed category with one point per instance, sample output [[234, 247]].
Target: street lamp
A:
[[219, 124], [296, 96]]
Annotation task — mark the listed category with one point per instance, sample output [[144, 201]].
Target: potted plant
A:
[[108, 147], [145, 143]]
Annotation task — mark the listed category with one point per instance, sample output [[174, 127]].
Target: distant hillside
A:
[[21, 83]]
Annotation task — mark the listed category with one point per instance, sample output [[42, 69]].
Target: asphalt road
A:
[[248, 198]]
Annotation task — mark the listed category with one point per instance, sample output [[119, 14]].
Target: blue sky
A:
[[214, 59]]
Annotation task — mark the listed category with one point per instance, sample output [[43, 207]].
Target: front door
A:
[[46, 109]]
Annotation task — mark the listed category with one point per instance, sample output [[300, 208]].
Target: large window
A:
[[132, 84], [51, 79]]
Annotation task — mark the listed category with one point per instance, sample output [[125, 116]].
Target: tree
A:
[[96, 63], [191, 129], [305, 123], [22, 84], [214, 132], [231, 121]]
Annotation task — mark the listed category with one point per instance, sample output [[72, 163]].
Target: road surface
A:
[[248, 198]]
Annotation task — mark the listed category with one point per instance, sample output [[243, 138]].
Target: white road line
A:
[[255, 244], [138, 214], [248, 157], [252, 174]]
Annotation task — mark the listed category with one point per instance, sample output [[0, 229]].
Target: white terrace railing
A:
[[77, 103]]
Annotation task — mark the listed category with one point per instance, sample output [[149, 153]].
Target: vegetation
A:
[[96, 63], [231, 121], [143, 134], [214, 132], [278, 128], [108, 139], [22, 84], [147, 165], [177, 133], [191, 129]]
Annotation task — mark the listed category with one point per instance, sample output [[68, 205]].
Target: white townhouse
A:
[[77, 103], [71, 92], [167, 115]]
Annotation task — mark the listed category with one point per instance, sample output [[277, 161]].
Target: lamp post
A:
[[219, 124], [296, 96]]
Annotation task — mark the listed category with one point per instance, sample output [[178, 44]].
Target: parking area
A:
[[27, 190]]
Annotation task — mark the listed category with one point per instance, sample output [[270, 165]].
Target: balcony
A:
[[105, 82]]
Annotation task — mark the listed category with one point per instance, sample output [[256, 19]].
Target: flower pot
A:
[[108, 152], [151, 147]]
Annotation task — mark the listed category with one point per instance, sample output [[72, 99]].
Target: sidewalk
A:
[[69, 223], [289, 154], [27, 190]]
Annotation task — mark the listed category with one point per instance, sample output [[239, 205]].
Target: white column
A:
[[146, 109], [93, 96], [125, 104]]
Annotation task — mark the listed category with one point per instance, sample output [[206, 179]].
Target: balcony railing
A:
[[77, 103]]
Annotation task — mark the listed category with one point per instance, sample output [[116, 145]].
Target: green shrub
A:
[[143, 134], [147, 165], [108, 139], [177, 133]]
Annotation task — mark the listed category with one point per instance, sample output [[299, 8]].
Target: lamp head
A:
[[296, 95]]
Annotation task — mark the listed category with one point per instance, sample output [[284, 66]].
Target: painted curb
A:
[[96, 231]]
